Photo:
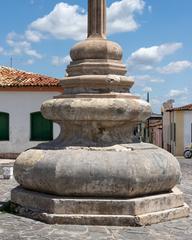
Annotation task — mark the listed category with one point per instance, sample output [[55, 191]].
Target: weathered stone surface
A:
[[96, 109], [95, 121], [103, 69], [89, 172], [96, 83], [106, 220], [99, 81], [14, 227], [97, 19], [96, 48], [45, 203], [82, 161]]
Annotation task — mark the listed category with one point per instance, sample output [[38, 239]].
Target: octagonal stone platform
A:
[[99, 211]]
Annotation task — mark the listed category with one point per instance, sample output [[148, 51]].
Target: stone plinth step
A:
[[92, 211], [110, 220]]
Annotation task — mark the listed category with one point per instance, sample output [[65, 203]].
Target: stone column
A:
[[97, 18]]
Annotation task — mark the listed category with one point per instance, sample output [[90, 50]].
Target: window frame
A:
[[8, 133], [40, 139]]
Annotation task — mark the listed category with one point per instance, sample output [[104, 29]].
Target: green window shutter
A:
[[41, 128], [4, 126]]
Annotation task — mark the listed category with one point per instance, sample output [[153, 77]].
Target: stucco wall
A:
[[172, 136], [179, 120], [187, 127], [19, 105], [166, 131], [157, 136]]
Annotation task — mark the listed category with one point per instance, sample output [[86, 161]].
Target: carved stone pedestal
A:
[[97, 171]]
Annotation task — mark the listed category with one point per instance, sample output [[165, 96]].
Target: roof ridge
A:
[[26, 72], [11, 77], [182, 108]]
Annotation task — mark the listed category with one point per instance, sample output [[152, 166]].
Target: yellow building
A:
[[177, 128]]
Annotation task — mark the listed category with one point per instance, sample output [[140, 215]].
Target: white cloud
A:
[[155, 104], [145, 59], [33, 36], [157, 80], [28, 62], [64, 22], [155, 101], [133, 66], [175, 67], [150, 9], [154, 54], [121, 15], [32, 53], [59, 61], [69, 21], [147, 89], [148, 78], [20, 46], [174, 93]]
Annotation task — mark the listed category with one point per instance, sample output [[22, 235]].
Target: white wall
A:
[[19, 105], [187, 128]]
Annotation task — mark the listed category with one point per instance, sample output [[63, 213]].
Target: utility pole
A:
[[148, 97]]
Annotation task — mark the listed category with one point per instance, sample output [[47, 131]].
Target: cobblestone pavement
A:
[[15, 228]]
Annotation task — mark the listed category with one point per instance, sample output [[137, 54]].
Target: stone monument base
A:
[[138, 211]]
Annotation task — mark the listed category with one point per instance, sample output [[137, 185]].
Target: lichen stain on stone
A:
[[120, 110]]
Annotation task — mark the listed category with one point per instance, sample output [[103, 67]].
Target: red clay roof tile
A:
[[10, 77]]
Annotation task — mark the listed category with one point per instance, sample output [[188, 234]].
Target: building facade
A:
[[156, 130], [21, 124], [151, 130], [177, 128]]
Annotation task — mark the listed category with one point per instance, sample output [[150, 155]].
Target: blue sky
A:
[[155, 36]]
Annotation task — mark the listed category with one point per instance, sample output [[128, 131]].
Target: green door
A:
[[41, 128], [4, 126]]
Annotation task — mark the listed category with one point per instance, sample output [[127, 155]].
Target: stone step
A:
[[5, 163], [107, 220], [97, 206]]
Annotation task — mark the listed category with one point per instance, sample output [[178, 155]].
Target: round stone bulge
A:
[[96, 48], [96, 109], [128, 170]]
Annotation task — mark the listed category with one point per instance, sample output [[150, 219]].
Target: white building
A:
[[177, 128], [21, 124]]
